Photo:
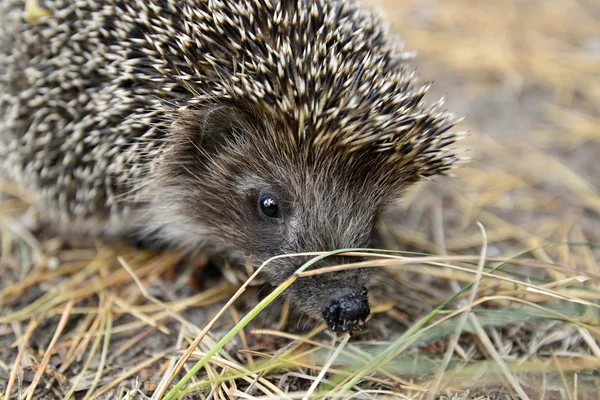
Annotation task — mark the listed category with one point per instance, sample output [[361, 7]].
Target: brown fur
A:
[[225, 158]]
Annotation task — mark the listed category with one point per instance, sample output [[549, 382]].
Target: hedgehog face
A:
[[307, 213], [281, 219], [232, 180]]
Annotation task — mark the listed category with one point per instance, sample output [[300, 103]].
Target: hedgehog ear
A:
[[209, 129]]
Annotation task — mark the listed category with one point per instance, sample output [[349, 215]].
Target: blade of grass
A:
[[61, 325], [252, 314], [410, 334], [239, 326], [463, 319], [107, 334], [326, 367], [489, 346], [33, 323]]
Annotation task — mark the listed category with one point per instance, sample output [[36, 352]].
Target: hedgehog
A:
[[250, 128]]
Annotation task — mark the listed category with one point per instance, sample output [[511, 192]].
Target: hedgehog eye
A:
[[269, 206]]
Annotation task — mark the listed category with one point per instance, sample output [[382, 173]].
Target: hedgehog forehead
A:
[[300, 169]]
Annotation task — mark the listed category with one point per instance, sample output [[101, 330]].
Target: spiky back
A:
[[328, 69], [88, 91]]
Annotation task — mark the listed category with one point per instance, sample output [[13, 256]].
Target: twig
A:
[[33, 323], [61, 325]]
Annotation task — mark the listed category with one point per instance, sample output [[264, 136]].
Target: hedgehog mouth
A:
[[348, 313]]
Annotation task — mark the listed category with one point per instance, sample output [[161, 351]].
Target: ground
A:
[[74, 323]]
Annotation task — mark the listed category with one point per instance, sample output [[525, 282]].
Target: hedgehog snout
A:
[[347, 313]]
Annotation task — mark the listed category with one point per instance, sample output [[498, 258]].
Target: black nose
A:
[[347, 313]]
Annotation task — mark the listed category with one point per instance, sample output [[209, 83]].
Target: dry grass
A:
[[506, 310]]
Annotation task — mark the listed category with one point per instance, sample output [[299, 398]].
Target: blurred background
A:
[[526, 77]]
